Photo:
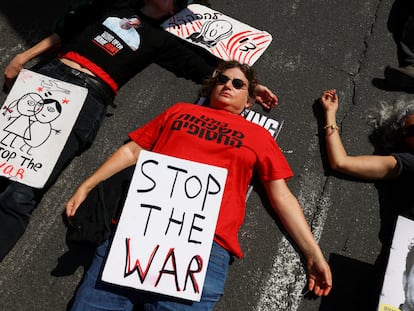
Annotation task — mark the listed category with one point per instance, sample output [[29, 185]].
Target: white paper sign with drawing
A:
[[397, 289], [221, 35], [164, 236], [35, 121]]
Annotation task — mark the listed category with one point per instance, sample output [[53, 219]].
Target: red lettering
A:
[[137, 267], [8, 169], [111, 48], [171, 255], [190, 273], [20, 173]]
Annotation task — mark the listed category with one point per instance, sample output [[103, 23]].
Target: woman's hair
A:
[[180, 5], [203, 2], [211, 82], [388, 122]]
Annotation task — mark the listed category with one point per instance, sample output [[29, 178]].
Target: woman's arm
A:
[[290, 213], [48, 44], [124, 157], [362, 166]]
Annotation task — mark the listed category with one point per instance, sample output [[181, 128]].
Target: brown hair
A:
[[180, 5]]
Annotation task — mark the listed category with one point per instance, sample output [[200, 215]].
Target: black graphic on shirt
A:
[[126, 31], [208, 129], [108, 42]]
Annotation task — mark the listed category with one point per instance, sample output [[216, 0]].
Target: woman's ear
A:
[[249, 103]]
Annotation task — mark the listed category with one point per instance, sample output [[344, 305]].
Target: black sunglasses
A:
[[408, 131], [237, 83]]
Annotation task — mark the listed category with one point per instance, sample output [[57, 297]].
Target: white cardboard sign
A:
[[35, 121], [221, 35], [164, 236], [392, 294]]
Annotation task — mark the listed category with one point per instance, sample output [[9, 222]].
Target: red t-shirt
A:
[[222, 139]]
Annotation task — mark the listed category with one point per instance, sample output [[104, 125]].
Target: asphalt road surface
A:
[[317, 45]]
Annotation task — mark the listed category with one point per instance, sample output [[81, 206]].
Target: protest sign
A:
[[270, 124], [399, 268], [164, 236], [36, 119], [219, 34]]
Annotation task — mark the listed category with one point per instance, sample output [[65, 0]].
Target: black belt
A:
[[100, 86]]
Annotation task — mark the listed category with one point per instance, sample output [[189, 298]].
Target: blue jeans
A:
[[17, 201], [94, 294]]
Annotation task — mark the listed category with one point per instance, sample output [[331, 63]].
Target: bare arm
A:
[[361, 166], [48, 44], [124, 157], [290, 213]]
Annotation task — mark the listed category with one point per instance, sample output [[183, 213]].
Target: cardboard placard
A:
[[35, 122], [221, 35], [164, 236], [393, 289]]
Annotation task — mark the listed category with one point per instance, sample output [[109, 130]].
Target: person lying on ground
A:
[[228, 91]]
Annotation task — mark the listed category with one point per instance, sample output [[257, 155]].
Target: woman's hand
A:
[[12, 70], [265, 97], [319, 276], [76, 200], [48, 44], [329, 100]]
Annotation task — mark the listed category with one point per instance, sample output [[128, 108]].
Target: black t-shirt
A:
[[122, 41], [405, 163]]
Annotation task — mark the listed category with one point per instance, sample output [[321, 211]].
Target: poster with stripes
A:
[[221, 35]]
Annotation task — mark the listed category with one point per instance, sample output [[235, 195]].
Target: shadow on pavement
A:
[[32, 20], [399, 14], [355, 285]]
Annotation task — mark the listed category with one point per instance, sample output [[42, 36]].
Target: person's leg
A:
[[93, 294], [17, 201], [402, 77], [87, 124], [212, 291]]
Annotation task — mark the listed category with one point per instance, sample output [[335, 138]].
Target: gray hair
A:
[[388, 121]]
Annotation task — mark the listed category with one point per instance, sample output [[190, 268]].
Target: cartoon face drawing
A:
[[22, 112], [29, 104], [212, 32], [50, 111], [40, 130], [217, 30]]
